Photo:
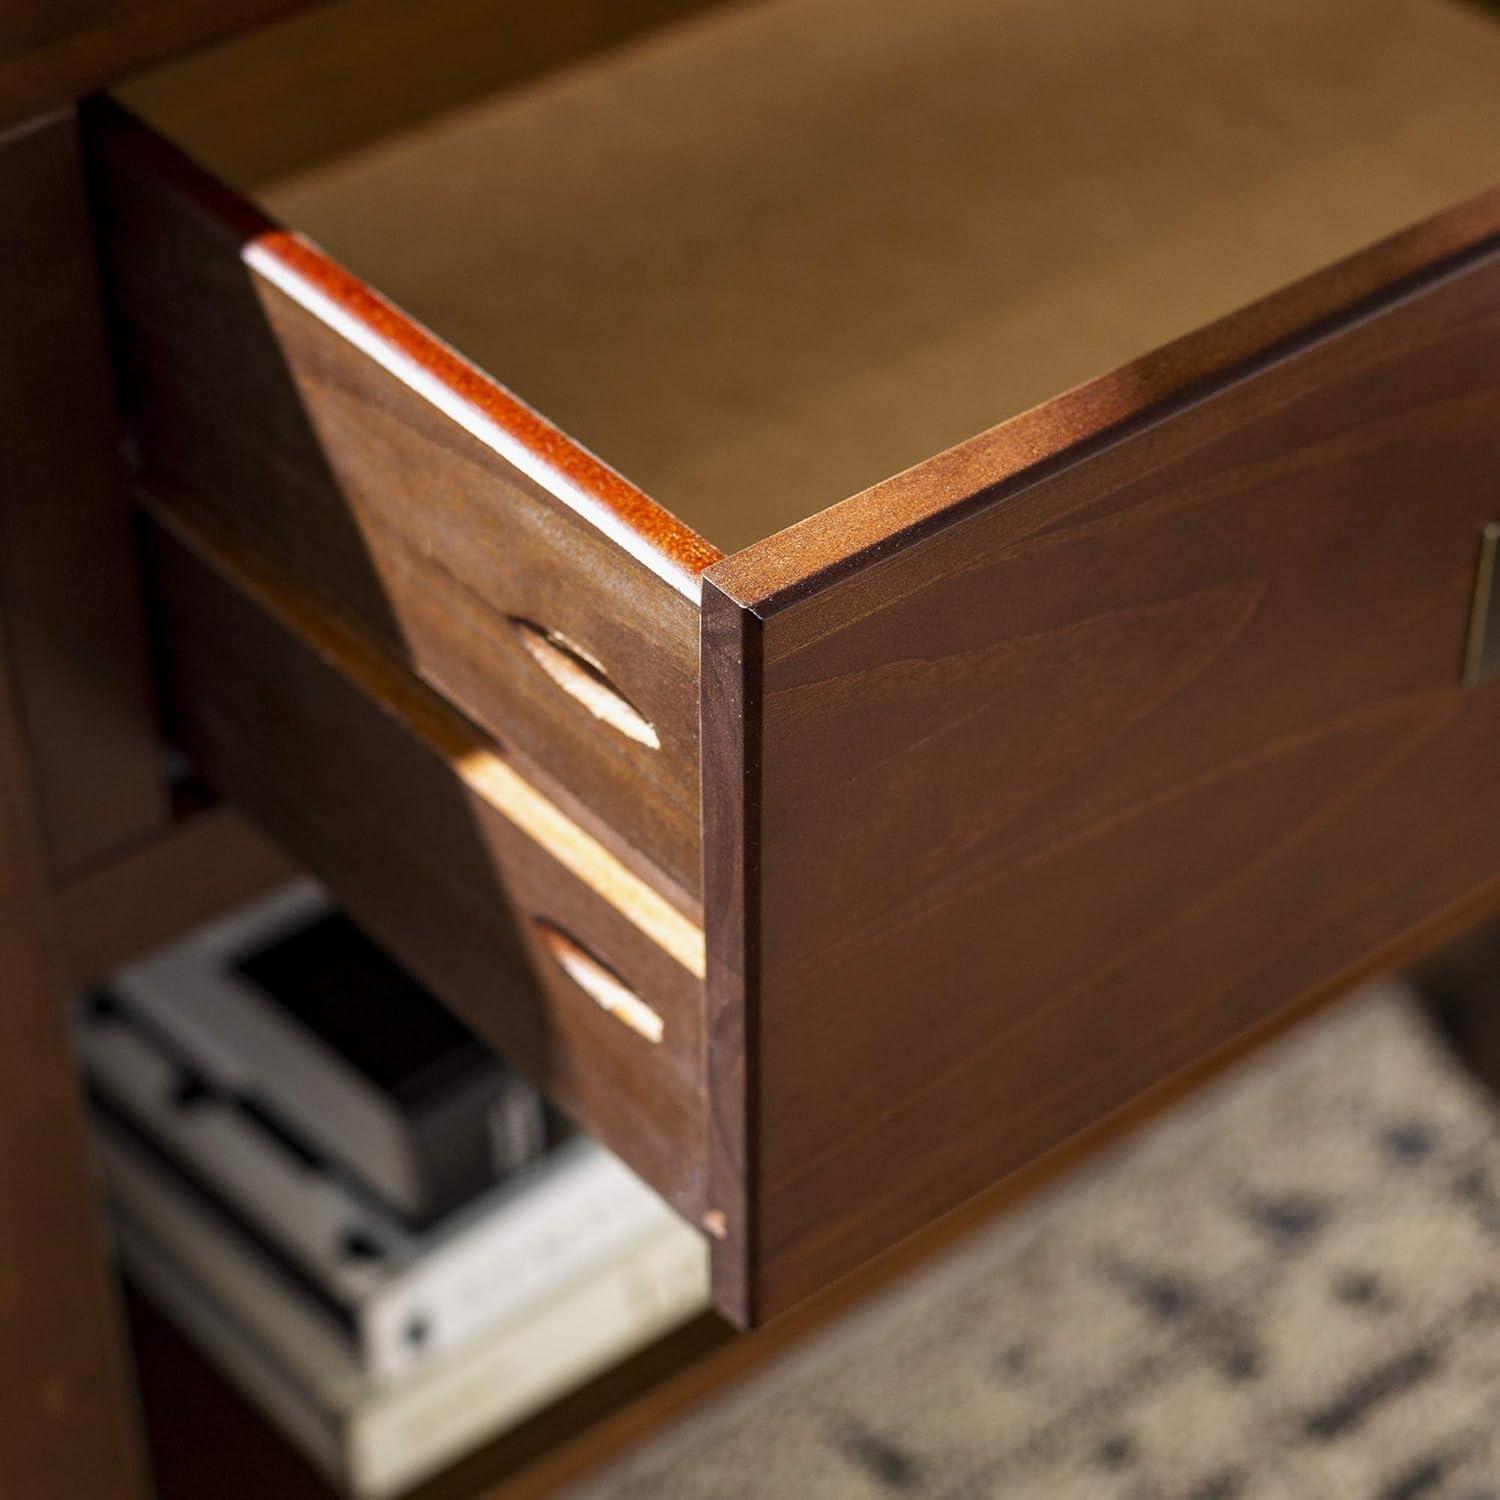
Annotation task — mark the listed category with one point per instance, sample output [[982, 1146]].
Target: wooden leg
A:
[[66, 1424], [71, 706], [68, 587]]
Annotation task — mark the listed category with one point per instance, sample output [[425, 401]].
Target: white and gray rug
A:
[[1288, 1290]]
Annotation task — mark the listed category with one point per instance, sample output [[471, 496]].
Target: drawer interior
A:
[[764, 257]]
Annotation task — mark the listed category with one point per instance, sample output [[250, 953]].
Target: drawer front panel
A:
[[1022, 816], [551, 601], [585, 981]]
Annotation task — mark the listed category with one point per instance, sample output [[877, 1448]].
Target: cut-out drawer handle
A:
[[600, 983], [580, 676]]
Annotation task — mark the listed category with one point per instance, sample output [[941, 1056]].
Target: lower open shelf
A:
[[204, 1438]]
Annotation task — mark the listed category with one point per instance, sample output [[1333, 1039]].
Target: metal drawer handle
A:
[[1482, 651], [599, 982], [583, 678]]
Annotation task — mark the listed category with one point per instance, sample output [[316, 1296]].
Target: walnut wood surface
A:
[[1121, 728], [276, 721], [68, 588], [341, 438], [65, 1407], [1030, 775], [707, 1377]]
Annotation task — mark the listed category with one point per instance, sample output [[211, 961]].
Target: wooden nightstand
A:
[[854, 856]]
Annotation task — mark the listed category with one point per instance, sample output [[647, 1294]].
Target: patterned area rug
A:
[[1288, 1289]]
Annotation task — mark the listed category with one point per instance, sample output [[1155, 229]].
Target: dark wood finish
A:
[[381, 790], [342, 439], [731, 919], [66, 1407], [197, 869], [720, 1368], [54, 51], [67, 577], [1114, 732]]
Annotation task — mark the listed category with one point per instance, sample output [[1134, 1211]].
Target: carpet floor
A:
[[1287, 1290]]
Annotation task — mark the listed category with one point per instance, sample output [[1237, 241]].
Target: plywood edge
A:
[[730, 738], [431, 369], [865, 529]]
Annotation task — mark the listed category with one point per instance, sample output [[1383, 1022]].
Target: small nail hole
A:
[[583, 678]]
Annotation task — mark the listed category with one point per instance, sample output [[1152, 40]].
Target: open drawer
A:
[[994, 794]]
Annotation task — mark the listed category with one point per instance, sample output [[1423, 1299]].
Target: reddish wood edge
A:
[[899, 512], [425, 364]]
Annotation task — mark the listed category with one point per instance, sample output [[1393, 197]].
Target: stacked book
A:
[[357, 1210]]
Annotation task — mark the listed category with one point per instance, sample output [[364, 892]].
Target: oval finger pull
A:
[[600, 983], [581, 677]]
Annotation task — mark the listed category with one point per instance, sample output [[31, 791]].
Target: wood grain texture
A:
[[383, 470], [720, 1369], [731, 801], [55, 51], [68, 587], [472, 758], [66, 1427], [287, 725], [1109, 747]]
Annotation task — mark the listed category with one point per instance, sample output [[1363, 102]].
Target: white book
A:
[[404, 1298], [287, 1001], [377, 1438]]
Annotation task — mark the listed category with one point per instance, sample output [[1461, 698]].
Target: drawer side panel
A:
[[1121, 756], [385, 472], [407, 838]]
